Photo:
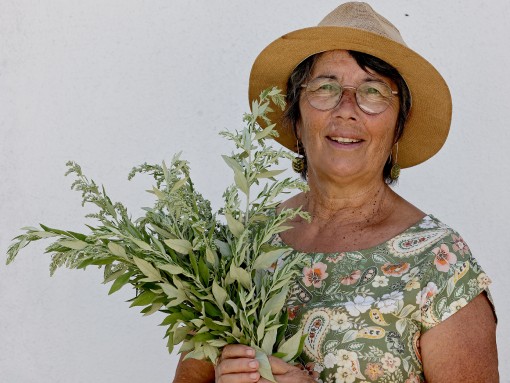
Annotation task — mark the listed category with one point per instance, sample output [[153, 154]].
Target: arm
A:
[[194, 371], [463, 347]]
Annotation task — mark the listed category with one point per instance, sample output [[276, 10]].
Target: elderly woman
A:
[[392, 294]]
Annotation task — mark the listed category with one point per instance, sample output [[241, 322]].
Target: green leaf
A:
[[241, 275], [141, 244], [161, 195], [117, 249], [269, 173], [75, 245], [241, 182], [275, 304], [212, 310], [120, 282], [234, 225], [263, 133], [290, 347], [265, 260], [147, 269], [182, 246], [178, 184], [171, 269], [261, 329], [155, 307], [213, 325], [219, 293], [211, 256], [264, 366], [177, 296], [234, 165], [269, 341], [144, 299], [203, 271]]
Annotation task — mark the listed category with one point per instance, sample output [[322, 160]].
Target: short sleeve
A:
[[452, 279]]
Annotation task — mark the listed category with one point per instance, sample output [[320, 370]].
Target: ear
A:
[[297, 130]]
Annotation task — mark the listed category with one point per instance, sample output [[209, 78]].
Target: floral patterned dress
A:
[[364, 311]]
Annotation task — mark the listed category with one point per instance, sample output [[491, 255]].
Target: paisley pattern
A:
[[364, 311]]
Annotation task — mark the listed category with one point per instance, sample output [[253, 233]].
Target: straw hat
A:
[[356, 26]]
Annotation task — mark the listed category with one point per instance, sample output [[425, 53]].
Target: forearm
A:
[[194, 371]]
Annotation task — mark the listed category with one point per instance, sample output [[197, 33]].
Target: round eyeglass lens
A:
[[372, 97]]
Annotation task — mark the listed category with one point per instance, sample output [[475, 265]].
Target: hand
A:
[[237, 364], [287, 373]]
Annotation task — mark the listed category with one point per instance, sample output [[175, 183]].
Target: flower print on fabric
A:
[[351, 279], [365, 311], [334, 258], [428, 292], [483, 281], [380, 281], [374, 371], [428, 223], [395, 270], [315, 275], [412, 279], [390, 362], [459, 245], [389, 302], [413, 378], [340, 322], [359, 306], [444, 258]]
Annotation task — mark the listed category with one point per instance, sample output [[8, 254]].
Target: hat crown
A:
[[360, 15]]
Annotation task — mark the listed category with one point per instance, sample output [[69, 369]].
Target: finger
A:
[[237, 351], [295, 377], [239, 378], [237, 365], [279, 367]]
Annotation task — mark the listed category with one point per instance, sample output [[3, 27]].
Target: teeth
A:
[[344, 140]]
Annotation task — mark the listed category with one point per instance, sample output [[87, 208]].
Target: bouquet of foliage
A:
[[218, 281]]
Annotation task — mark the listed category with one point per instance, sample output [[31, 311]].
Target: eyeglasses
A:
[[372, 97]]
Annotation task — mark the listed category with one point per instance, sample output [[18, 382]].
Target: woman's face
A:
[[345, 141]]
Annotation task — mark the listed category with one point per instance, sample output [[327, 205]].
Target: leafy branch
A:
[[217, 277]]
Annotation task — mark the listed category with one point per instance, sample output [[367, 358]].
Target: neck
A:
[[348, 204]]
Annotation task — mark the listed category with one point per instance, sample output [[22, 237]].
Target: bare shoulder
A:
[[463, 347]]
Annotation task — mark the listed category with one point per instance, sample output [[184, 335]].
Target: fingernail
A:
[[250, 352], [253, 364], [254, 376]]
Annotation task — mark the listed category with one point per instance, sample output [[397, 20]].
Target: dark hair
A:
[[302, 73]]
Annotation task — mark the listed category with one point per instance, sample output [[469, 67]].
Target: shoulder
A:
[[451, 276]]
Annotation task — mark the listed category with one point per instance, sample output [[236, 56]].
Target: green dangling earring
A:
[[298, 162], [395, 168]]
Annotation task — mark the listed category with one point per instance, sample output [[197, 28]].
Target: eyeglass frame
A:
[[355, 88]]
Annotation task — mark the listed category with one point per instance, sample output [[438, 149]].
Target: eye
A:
[[375, 89], [372, 91], [323, 86]]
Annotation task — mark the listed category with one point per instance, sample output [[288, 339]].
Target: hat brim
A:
[[429, 120]]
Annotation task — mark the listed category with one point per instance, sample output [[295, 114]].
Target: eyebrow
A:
[[369, 77]]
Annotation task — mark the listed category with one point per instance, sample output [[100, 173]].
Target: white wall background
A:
[[114, 83]]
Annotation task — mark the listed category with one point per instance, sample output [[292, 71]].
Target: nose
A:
[[347, 106]]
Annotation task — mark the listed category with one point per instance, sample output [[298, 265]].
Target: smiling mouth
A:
[[345, 140]]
